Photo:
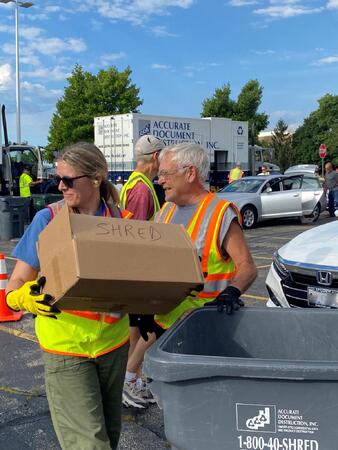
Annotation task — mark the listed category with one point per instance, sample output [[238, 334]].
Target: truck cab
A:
[[14, 158]]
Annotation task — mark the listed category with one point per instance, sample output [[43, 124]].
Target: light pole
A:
[[17, 57]]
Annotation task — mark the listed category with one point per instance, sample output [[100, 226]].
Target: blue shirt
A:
[[26, 248]]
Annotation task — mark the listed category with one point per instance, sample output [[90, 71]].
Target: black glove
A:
[[146, 324], [228, 298]]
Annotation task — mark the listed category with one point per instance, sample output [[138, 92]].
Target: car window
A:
[[273, 184], [311, 183], [244, 185], [291, 183]]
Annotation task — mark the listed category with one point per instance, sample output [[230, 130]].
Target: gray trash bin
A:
[[13, 213], [261, 379]]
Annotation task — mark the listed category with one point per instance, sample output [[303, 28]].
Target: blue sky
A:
[[179, 51]]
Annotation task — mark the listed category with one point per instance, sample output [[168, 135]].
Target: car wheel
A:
[[249, 216], [313, 217]]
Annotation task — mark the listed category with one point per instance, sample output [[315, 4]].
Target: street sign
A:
[[322, 151]]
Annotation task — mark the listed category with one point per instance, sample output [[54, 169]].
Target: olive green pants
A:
[[85, 398]]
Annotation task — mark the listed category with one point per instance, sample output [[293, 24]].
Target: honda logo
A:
[[324, 278]]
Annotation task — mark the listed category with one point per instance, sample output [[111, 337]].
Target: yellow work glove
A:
[[29, 298]]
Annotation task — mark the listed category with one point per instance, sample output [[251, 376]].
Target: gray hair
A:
[[189, 154]]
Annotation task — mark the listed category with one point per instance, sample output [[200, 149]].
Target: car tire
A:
[[314, 216], [249, 217]]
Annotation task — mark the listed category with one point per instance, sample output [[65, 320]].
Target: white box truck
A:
[[224, 140]]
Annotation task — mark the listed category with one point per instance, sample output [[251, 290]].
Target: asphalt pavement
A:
[[25, 422]]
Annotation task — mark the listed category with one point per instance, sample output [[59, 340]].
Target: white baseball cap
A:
[[148, 144]]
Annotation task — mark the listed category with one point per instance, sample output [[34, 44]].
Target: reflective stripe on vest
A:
[[24, 182], [82, 333], [134, 178], [203, 228]]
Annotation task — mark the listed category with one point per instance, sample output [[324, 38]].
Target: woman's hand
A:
[[30, 298]]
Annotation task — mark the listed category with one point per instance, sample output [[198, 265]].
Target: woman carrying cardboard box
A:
[[85, 353]]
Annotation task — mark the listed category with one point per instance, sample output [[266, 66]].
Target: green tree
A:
[[321, 126], [87, 96], [245, 108], [281, 142], [220, 105]]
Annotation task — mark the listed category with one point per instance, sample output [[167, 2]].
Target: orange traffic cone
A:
[[6, 314]]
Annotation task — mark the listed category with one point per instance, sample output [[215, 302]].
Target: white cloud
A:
[[30, 32], [242, 2], [263, 52], [161, 31], [53, 46], [111, 58], [6, 76], [332, 4], [160, 66], [51, 74], [40, 90], [6, 29], [327, 60], [286, 10], [135, 11]]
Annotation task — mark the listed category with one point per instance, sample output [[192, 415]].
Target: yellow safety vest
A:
[[134, 178], [82, 333], [24, 182], [203, 229], [235, 174]]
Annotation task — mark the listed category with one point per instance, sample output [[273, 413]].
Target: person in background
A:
[[331, 187], [119, 184], [26, 182], [265, 170], [138, 196], [84, 353], [236, 173]]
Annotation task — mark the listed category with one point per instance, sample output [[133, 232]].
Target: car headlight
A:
[[280, 266]]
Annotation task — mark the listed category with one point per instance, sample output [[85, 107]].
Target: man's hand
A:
[[228, 298], [146, 324], [29, 298]]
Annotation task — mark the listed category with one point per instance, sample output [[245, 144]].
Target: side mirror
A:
[[268, 190]]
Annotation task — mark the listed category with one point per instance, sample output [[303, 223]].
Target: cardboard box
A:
[[107, 265]]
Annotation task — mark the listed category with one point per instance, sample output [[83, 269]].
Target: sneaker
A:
[[132, 396], [142, 385]]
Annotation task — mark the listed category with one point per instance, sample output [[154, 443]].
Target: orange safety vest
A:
[[235, 174], [82, 333], [203, 228]]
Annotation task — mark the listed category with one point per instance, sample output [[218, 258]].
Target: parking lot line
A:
[[10, 257], [262, 257], [255, 297], [18, 333], [263, 267]]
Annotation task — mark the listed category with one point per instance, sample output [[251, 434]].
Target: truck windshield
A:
[[244, 185]]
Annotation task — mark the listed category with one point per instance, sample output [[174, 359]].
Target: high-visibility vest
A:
[[235, 174], [82, 333], [24, 182], [134, 178], [203, 228]]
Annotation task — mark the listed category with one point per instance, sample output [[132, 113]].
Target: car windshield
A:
[[244, 185]]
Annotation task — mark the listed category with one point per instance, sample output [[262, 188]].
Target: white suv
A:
[[304, 272]]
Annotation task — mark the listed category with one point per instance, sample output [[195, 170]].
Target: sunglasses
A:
[[68, 181]]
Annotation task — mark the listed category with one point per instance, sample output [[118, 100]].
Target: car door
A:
[[284, 200], [270, 197], [312, 193]]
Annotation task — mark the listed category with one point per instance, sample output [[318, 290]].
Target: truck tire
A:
[[249, 217]]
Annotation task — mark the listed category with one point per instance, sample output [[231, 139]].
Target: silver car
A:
[[275, 196]]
